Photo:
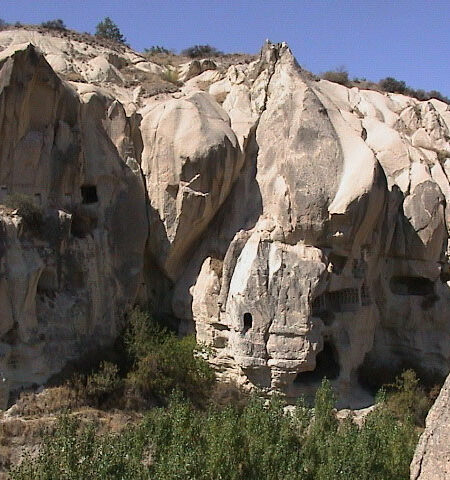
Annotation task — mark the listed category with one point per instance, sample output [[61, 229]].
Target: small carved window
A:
[[89, 194], [248, 322]]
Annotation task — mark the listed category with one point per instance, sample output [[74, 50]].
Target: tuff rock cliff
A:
[[432, 458], [298, 226]]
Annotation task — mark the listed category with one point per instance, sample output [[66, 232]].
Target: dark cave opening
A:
[[248, 322], [411, 286], [89, 194], [327, 365]]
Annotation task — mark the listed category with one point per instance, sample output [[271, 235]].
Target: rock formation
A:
[[68, 274], [432, 458], [297, 225]]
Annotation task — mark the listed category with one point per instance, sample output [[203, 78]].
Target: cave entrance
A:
[[327, 365], [411, 286], [89, 194], [248, 321]]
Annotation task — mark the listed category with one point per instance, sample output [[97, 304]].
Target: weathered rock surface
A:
[[432, 458], [299, 226], [190, 160], [329, 256], [66, 279]]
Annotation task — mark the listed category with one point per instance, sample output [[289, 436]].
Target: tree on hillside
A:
[[390, 84], [108, 29]]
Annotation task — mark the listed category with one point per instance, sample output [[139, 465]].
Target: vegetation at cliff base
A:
[[153, 363], [187, 434], [260, 441]]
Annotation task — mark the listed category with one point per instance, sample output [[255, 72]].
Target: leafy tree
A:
[[56, 24], [3, 24], [201, 51], [338, 75], [390, 84], [108, 29]]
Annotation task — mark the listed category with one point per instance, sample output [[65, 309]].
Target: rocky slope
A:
[[432, 458], [298, 226]]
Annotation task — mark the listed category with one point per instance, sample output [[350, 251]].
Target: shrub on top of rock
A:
[[157, 50], [339, 75], [56, 24], [201, 51], [390, 84]]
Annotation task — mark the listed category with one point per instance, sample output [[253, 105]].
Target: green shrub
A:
[[56, 24], [157, 50], [259, 442], [405, 397], [340, 75], [201, 51], [30, 213], [103, 382], [390, 84], [72, 451], [163, 362], [109, 30]]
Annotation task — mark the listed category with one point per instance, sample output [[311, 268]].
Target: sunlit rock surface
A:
[[298, 226]]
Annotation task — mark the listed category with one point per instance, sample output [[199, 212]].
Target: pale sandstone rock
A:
[[298, 226], [432, 457], [100, 70], [62, 291], [190, 161], [193, 68], [336, 194]]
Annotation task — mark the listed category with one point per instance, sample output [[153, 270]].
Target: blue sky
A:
[[406, 39]]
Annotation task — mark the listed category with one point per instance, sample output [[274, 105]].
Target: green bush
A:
[[72, 451], [103, 382], [390, 84], [56, 24], [30, 213], [163, 362], [259, 442], [109, 30], [201, 51], [405, 397], [157, 50], [340, 75]]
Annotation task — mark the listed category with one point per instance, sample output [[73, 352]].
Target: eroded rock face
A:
[[190, 161], [67, 279], [298, 226], [328, 257], [432, 458]]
